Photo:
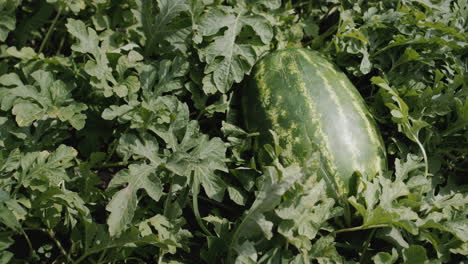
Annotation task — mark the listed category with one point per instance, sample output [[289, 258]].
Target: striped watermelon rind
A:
[[310, 104]]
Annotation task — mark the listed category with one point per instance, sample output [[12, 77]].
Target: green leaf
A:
[[271, 4], [393, 235], [122, 208], [163, 77], [98, 67], [380, 216], [306, 214], [414, 254], [51, 100], [10, 79], [87, 37], [115, 111], [391, 191], [403, 169], [33, 23], [7, 17], [74, 5], [145, 146], [409, 55], [459, 228], [266, 200], [324, 248], [228, 61], [206, 157], [5, 256], [158, 26], [169, 231], [26, 113], [5, 242], [39, 169], [8, 218], [385, 258], [25, 53], [60, 208], [236, 195], [372, 193], [462, 250], [11, 163], [124, 203], [96, 239], [247, 254]]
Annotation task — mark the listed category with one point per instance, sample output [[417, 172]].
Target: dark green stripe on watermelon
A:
[[309, 103]]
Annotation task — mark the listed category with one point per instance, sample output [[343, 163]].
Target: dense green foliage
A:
[[120, 139]]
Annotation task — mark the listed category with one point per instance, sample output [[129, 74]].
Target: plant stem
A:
[[111, 164], [52, 236], [62, 41], [59, 245], [113, 147], [358, 228], [103, 254], [347, 213], [19, 184], [450, 155], [426, 163], [200, 114], [346, 246], [454, 129], [28, 241], [83, 257], [317, 42], [195, 190], [161, 255], [168, 199], [463, 150], [215, 203], [366, 245], [51, 29], [254, 134]]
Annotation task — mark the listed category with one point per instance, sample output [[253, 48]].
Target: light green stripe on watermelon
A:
[[353, 97], [310, 104], [262, 85], [341, 118], [370, 128], [299, 83]]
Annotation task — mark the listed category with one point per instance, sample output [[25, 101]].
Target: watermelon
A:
[[311, 105]]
